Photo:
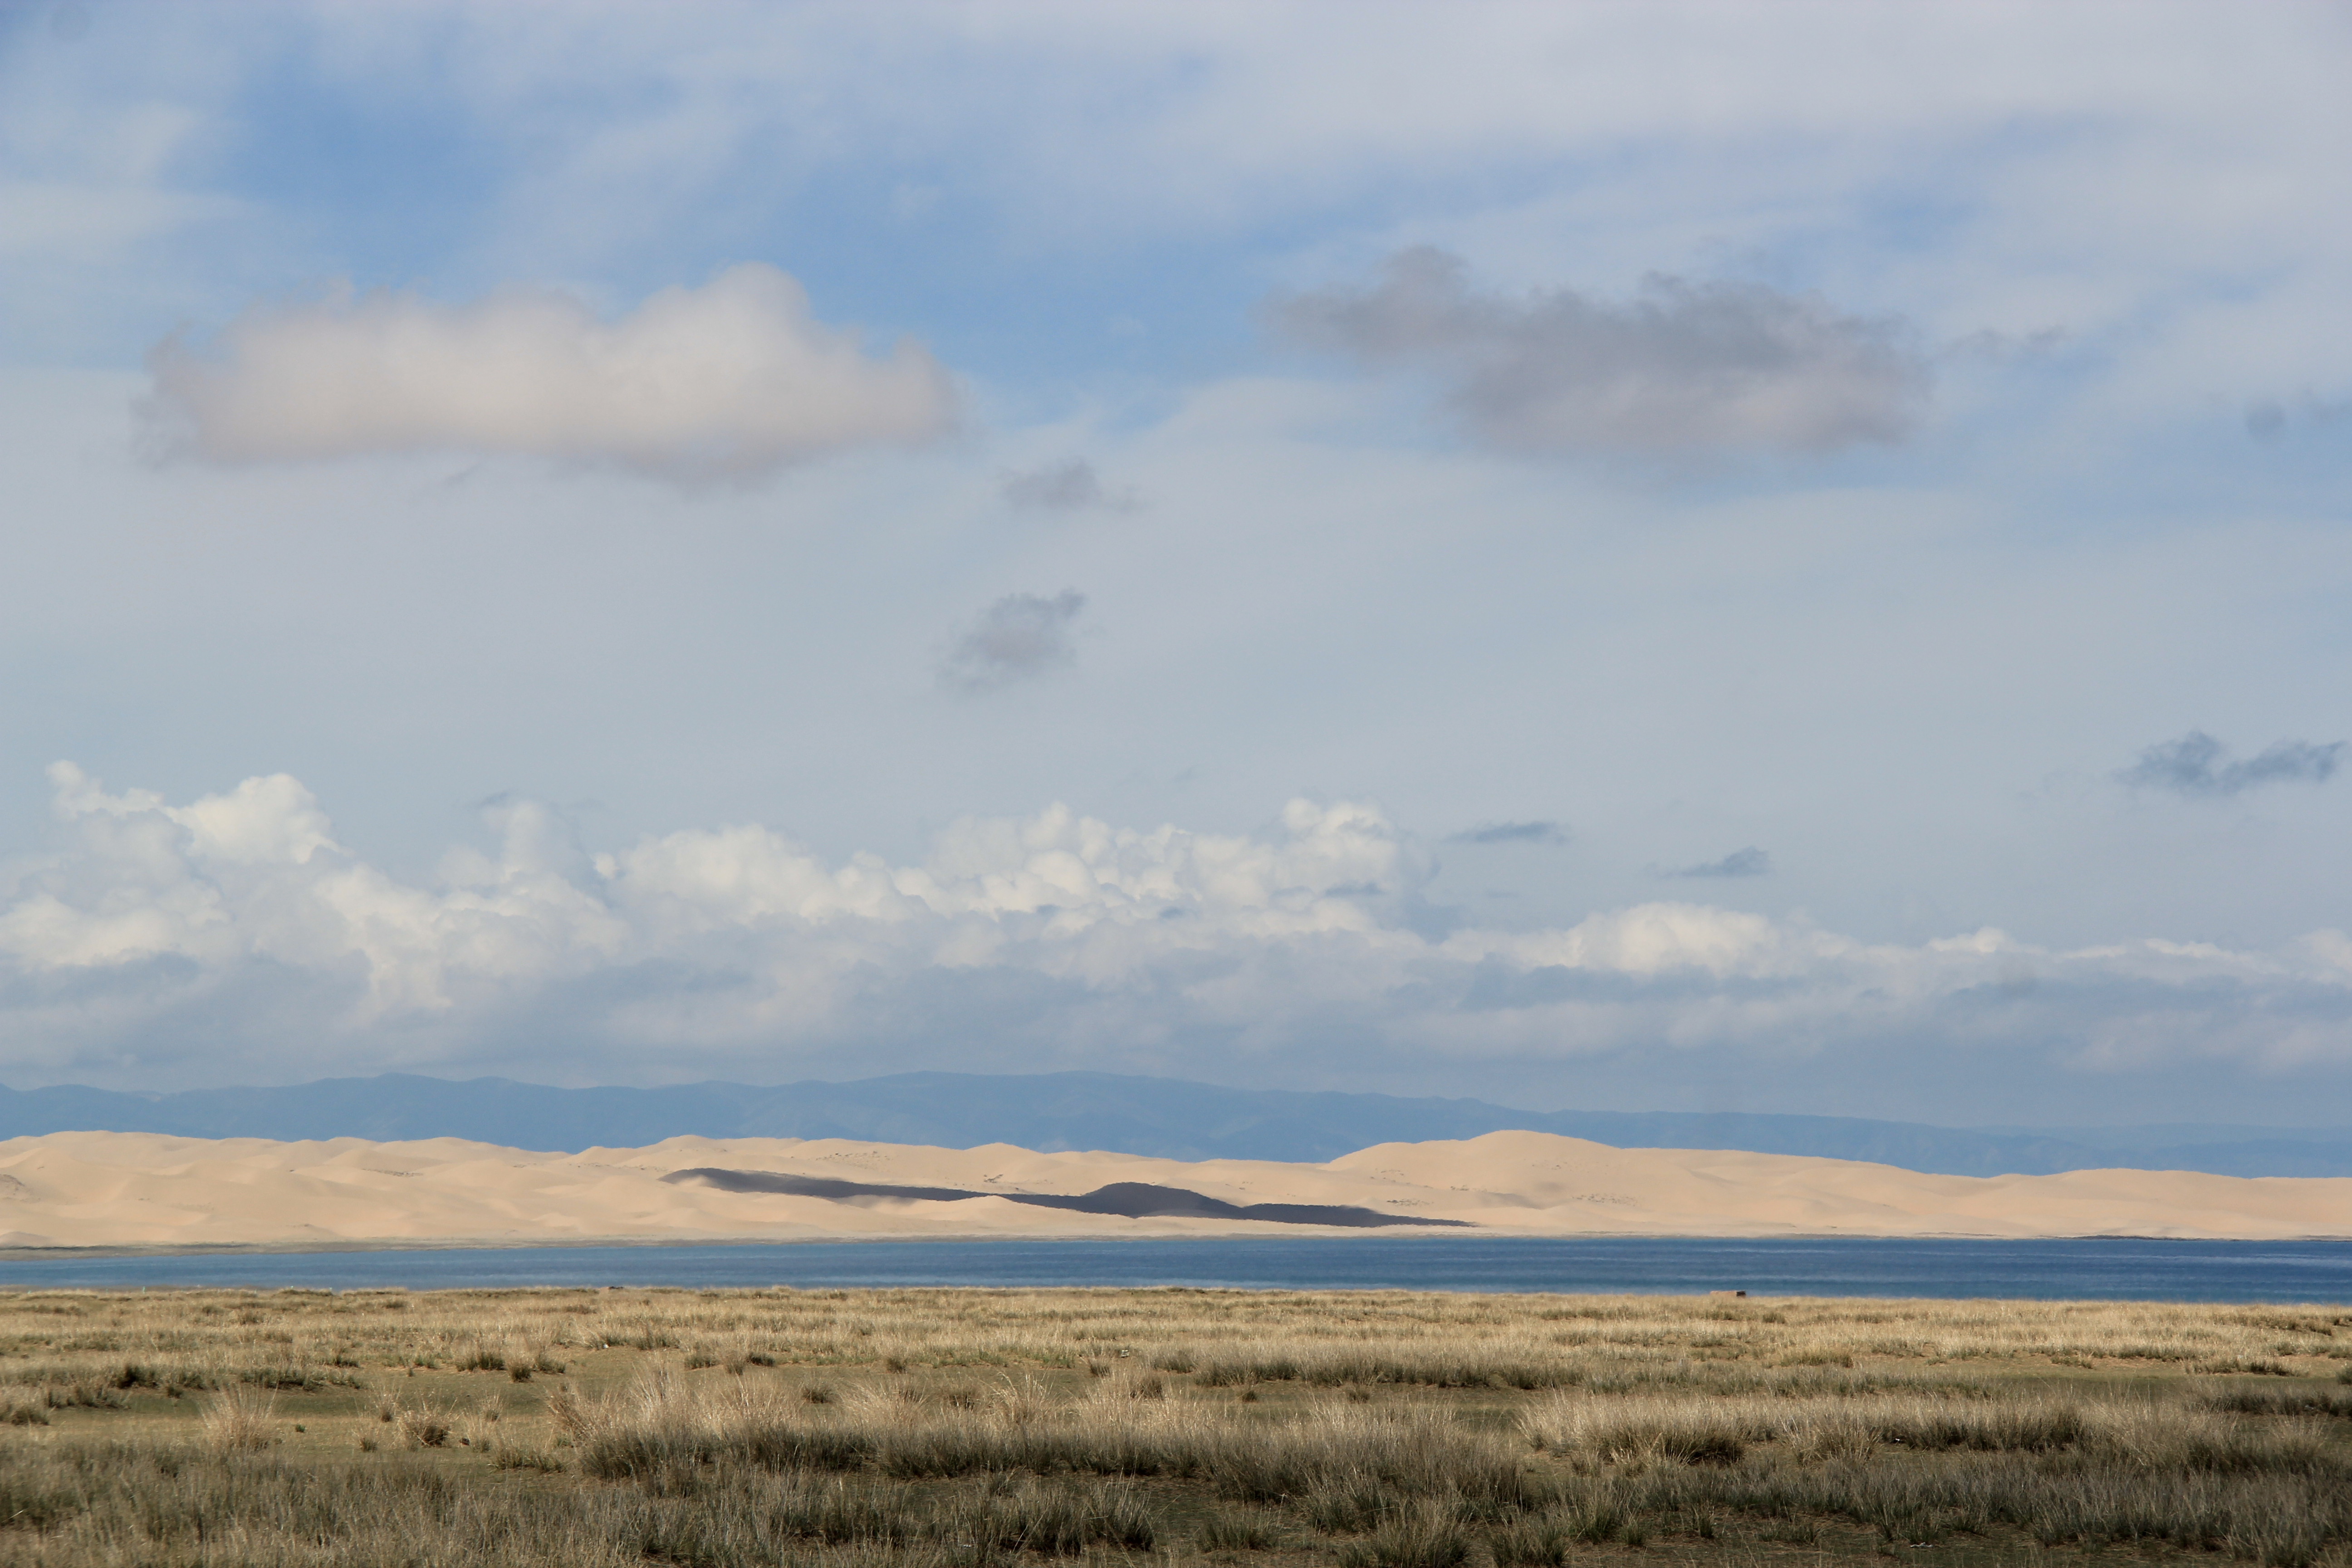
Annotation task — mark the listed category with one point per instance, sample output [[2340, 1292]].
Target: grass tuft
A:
[[1427, 1535], [240, 1418]]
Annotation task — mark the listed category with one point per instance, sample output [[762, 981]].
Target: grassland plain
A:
[[1369, 1430]]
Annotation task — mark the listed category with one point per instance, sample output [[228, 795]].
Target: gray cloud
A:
[[1512, 833], [1073, 486], [1684, 367], [1748, 862], [2196, 766], [2268, 418], [1016, 639]]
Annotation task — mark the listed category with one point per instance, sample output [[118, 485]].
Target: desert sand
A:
[[113, 1190]]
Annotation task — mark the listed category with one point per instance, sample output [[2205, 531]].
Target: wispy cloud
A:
[[1066, 487], [1512, 833], [731, 379], [1019, 638], [1682, 367], [1748, 862], [2198, 765]]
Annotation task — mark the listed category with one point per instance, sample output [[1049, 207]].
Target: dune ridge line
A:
[[115, 1189]]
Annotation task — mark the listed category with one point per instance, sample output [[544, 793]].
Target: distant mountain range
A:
[[1166, 1117]]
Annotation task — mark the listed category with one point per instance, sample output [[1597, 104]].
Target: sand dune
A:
[[122, 1189]]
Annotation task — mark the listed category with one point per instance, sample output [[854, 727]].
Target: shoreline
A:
[[671, 1244]]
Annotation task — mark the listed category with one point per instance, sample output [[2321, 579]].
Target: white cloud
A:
[[731, 379], [717, 950]]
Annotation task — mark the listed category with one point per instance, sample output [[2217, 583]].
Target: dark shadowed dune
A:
[[1130, 1200]]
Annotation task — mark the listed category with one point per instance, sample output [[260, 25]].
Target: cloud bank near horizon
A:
[[234, 935], [730, 380]]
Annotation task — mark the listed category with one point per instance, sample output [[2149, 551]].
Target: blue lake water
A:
[[2309, 1272]]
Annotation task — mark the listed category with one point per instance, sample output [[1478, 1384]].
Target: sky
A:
[[1645, 556]]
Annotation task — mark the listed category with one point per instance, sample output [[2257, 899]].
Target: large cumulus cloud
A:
[[234, 934], [730, 379]]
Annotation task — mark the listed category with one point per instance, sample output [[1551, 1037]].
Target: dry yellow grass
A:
[[69, 1336], [1378, 1429]]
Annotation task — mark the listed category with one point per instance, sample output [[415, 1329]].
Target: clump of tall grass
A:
[[240, 1418], [421, 1424], [1424, 1534], [527, 1456], [1252, 1529], [136, 1374], [1056, 1518]]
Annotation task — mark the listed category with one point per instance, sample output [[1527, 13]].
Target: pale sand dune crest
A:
[[102, 1189]]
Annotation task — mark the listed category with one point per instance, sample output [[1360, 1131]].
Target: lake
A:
[[2308, 1271]]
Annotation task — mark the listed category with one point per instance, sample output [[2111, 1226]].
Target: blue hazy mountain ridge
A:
[[1165, 1117]]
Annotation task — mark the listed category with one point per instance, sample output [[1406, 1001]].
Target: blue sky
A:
[[1678, 556]]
